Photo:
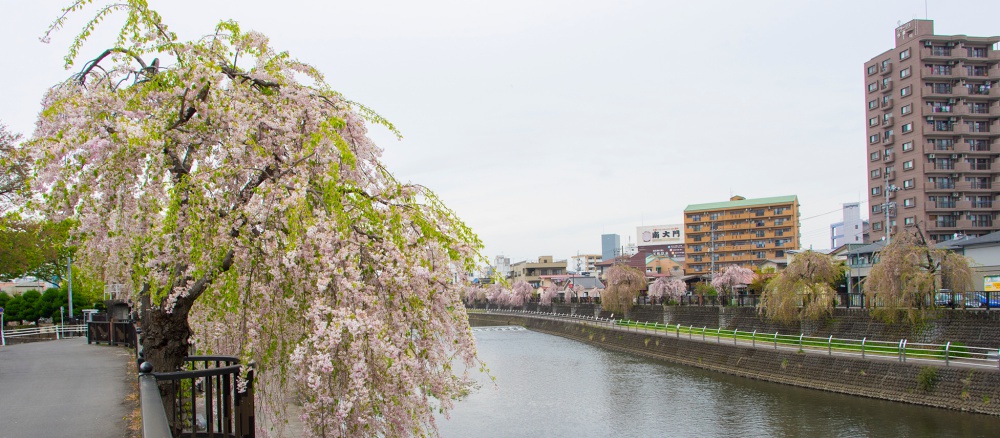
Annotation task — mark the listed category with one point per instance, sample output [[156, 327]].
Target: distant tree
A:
[[24, 307], [4, 298], [495, 294], [668, 289], [34, 247], [762, 277], [804, 290], [908, 272], [520, 293], [549, 294], [471, 292], [731, 277], [624, 284]]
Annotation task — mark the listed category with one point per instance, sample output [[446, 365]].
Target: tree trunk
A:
[[165, 344]]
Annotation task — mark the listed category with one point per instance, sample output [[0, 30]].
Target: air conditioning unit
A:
[[952, 119], [930, 118], [928, 44], [951, 101], [954, 155], [955, 194], [931, 156], [954, 175]]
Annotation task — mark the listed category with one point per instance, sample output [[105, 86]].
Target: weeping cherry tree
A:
[[804, 290], [624, 284], [237, 194]]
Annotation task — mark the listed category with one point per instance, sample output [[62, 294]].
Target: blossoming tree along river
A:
[[237, 193]]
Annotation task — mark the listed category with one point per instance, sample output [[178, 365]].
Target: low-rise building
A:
[[532, 272]]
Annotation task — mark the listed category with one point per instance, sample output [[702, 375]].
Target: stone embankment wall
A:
[[973, 328], [950, 387]]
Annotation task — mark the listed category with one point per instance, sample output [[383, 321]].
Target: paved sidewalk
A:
[[63, 388]]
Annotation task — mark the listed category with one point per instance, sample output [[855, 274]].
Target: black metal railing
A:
[[210, 399]]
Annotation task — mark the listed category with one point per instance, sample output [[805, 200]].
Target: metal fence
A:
[[210, 398], [948, 354], [986, 300], [41, 333]]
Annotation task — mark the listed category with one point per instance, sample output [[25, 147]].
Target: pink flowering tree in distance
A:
[[730, 277], [495, 294], [670, 289], [238, 195], [520, 293], [548, 295]]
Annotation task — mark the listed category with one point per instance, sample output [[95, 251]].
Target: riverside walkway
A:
[[972, 358], [64, 388]]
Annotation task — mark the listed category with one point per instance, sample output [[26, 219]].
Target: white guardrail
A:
[[60, 331], [950, 354]]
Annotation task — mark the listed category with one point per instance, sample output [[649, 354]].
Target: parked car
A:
[[981, 300]]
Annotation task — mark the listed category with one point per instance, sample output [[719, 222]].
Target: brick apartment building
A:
[[932, 126]]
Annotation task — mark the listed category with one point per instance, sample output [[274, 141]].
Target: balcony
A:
[[977, 205], [887, 86], [940, 91], [943, 110], [936, 54], [941, 185], [886, 68], [887, 103], [887, 121], [980, 130], [889, 140], [938, 72]]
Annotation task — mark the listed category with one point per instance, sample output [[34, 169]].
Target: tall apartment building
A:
[[932, 124], [610, 246], [745, 232]]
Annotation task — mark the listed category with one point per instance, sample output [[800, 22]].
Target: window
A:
[[695, 217], [877, 208], [873, 138], [908, 127], [873, 121], [908, 146], [873, 104], [872, 69], [713, 216], [872, 87], [909, 221], [909, 202], [908, 184], [877, 226], [905, 54], [904, 73], [905, 91], [876, 191], [876, 155], [908, 165], [906, 109]]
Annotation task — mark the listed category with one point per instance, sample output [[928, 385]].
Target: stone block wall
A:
[[962, 389]]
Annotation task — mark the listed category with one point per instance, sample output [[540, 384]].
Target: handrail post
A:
[[800, 340], [863, 346], [829, 346], [678, 331], [154, 417], [690, 331], [734, 335], [775, 340], [947, 347], [718, 335], [753, 338]]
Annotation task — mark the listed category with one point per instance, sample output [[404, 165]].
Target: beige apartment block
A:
[[745, 232], [932, 126], [532, 272]]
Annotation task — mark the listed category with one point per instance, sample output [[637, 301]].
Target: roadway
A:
[[64, 388]]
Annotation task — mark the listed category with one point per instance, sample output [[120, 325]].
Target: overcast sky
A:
[[546, 123]]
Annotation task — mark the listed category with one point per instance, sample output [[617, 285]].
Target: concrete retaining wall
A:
[[973, 328], [952, 388]]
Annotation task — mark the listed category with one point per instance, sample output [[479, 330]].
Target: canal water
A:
[[548, 386]]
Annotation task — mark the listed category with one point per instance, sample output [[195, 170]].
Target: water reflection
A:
[[553, 387]]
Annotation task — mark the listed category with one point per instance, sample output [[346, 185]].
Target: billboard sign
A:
[[991, 283], [660, 235]]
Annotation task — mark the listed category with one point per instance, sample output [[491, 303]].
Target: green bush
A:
[[927, 379]]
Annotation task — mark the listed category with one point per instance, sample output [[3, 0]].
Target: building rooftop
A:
[[741, 203]]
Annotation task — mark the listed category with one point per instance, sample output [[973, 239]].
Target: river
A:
[[548, 386]]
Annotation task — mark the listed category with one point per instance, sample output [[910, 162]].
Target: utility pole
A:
[[70, 267]]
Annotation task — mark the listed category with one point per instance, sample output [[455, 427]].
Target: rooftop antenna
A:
[[926, 17]]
